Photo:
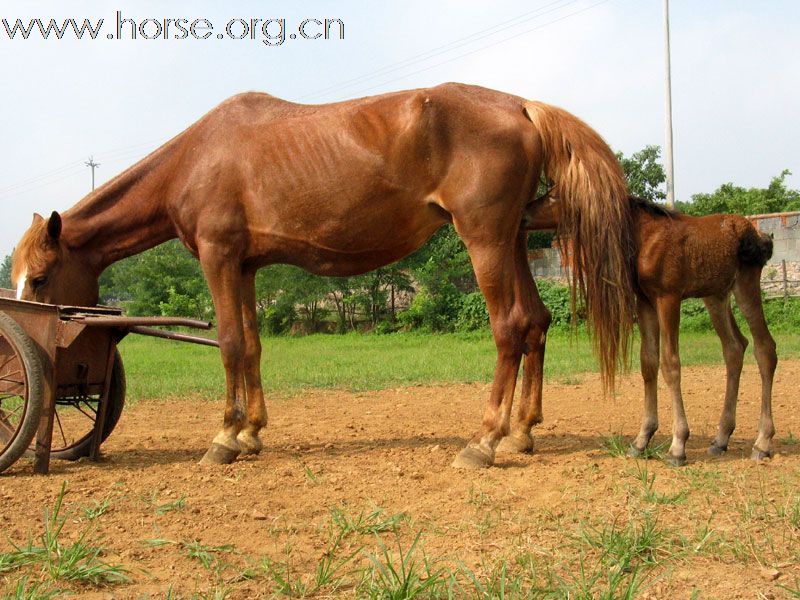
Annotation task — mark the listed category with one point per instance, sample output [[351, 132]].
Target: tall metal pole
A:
[[93, 165], [668, 109]]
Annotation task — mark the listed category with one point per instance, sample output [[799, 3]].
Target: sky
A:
[[735, 78]]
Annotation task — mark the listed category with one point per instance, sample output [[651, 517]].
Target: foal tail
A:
[[755, 248], [595, 229]]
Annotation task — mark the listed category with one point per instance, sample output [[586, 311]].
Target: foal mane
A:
[[652, 208]]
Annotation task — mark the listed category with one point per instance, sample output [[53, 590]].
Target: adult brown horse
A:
[[679, 256], [344, 188]]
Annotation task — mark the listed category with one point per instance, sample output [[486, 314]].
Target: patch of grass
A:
[[59, 561], [204, 554], [168, 507], [648, 493], [789, 440], [330, 574], [27, 590], [96, 510], [403, 575], [372, 522], [617, 445], [361, 362]]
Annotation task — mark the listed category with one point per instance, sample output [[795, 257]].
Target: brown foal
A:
[[344, 188], [678, 257]]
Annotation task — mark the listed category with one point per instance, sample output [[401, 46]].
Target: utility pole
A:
[[668, 109], [93, 165]]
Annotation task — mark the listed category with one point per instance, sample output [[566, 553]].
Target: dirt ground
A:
[[728, 525]]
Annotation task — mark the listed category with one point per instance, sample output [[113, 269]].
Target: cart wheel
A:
[[74, 422], [21, 390]]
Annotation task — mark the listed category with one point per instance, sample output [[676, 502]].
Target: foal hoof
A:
[[516, 442], [760, 455], [473, 457], [634, 452], [675, 461], [715, 450], [219, 455], [249, 443]]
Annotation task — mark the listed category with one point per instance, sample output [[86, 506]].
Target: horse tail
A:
[[755, 248], [595, 229]]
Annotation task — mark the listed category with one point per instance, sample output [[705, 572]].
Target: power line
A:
[[465, 54], [443, 49]]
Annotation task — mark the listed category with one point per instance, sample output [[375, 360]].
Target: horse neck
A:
[[122, 217]]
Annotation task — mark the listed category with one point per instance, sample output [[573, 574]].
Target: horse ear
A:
[[37, 218], [54, 226]]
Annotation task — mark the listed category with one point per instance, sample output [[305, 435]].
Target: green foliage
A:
[[473, 314], [556, 298], [5, 272], [730, 198], [644, 173], [165, 280]]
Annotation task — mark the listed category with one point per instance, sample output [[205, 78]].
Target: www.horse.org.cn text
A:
[[269, 31]]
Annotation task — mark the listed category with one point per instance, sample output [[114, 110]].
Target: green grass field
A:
[[160, 368]]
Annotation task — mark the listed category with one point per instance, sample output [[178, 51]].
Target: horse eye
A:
[[38, 282]]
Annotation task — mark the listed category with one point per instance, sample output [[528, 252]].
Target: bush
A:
[[278, 318], [432, 312], [556, 298], [473, 314]]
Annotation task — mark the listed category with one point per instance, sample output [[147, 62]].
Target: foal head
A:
[[45, 269]]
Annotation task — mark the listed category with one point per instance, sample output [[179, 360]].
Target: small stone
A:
[[768, 574], [258, 515], [436, 448]]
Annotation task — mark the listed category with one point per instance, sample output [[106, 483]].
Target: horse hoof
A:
[[715, 450], [675, 461], [219, 455], [516, 442], [634, 452], [473, 458], [249, 443], [760, 455]]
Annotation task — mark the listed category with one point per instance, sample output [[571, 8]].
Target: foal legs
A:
[[224, 277], [668, 309], [748, 297], [529, 412], [733, 347], [506, 281], [648, 329], [248, 439]]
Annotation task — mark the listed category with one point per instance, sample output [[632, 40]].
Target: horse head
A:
[[45, 269]]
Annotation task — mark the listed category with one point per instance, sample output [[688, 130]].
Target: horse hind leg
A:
[[248, 438], [733, 347], [529, 412], [747, 290], [224, 279], [668, 310], [508, 288], [648, 353]]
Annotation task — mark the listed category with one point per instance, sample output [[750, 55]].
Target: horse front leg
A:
[[507, 287], [248, 438], [224, 277], [529, 412]]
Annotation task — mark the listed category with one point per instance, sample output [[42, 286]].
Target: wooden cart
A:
[[62, 382]]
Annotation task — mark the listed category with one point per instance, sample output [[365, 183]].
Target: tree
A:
[[644, 173], [165, 280], [730, 198], [5, 272]]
